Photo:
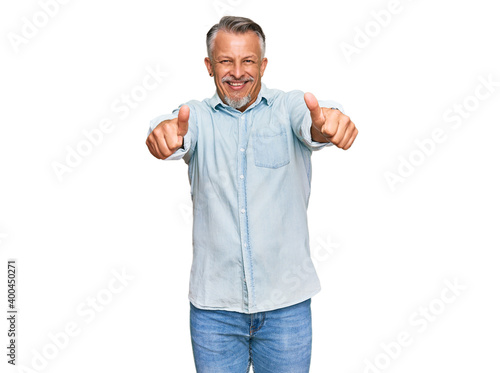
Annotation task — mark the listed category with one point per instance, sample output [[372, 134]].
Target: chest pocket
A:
[[270, 147]]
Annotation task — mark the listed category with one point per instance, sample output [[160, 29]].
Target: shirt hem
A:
[[253, 310]]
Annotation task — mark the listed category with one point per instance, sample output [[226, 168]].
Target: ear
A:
[[208, 64], [263, 66]]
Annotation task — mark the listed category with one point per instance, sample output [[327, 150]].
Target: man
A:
[[248, 150]]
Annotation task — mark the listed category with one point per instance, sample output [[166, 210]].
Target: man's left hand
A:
[[332, 124]]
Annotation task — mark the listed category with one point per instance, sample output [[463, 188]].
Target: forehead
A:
[[237, 44]]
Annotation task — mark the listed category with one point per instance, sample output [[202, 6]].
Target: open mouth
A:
[[237, 86]]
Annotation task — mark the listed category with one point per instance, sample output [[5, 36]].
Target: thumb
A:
[[318, 119], [182, 120]]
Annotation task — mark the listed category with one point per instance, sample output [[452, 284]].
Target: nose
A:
[[238, 70]]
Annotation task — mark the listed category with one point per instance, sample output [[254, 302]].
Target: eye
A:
[[248, 61], [224, 61]]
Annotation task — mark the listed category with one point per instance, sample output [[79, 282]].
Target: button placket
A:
[[242, 200]]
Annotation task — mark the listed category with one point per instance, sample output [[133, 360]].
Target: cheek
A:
[[217, 74], [256, 73], [218, 77]]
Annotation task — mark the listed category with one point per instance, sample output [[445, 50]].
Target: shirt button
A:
[[242, 149], [242, 177], [245, 244], [242, 211]]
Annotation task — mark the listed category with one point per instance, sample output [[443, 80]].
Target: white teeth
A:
[[236, 84]]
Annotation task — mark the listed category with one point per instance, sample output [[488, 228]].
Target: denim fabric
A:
[[277, 341], [250, 177]]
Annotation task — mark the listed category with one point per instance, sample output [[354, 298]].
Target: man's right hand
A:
[[168, 136]]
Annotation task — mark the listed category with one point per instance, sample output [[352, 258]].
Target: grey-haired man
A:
[[248, 150]]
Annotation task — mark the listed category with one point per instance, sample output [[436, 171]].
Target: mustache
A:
[[233, 79]]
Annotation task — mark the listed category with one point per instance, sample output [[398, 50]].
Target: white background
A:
[[121, 209]]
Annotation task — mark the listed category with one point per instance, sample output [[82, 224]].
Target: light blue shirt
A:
[[250, 178]]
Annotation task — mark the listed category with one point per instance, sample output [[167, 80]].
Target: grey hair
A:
[[235, 25]]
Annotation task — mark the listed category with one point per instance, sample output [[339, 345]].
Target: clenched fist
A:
[[168, 136], [335, 127]]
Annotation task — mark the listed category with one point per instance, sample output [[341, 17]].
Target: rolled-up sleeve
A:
[[190, 138], [300, 118]]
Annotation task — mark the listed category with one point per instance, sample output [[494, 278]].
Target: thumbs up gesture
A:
[[330, 125], [168, 136]]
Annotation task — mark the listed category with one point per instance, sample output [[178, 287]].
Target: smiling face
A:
[[237, 67]]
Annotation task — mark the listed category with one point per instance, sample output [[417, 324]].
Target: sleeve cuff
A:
[[305, 132]]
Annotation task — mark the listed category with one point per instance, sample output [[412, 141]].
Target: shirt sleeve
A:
[[300, 118], [190, 138]]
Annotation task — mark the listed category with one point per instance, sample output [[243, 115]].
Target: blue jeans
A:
[[277, 341]]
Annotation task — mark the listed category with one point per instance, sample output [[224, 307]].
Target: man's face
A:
[[238, 67]]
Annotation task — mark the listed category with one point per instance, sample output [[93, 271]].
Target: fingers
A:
[[331, 127], [157, 145], [168, 136], [349, 137], [339, 129], [318, 119], [173, 140], [342, 123], [353, 137], [183, 120], [163, 141]]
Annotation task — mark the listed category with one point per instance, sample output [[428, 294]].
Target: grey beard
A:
[[238, 103]]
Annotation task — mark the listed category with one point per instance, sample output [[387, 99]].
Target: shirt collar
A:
[[267, 94]]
